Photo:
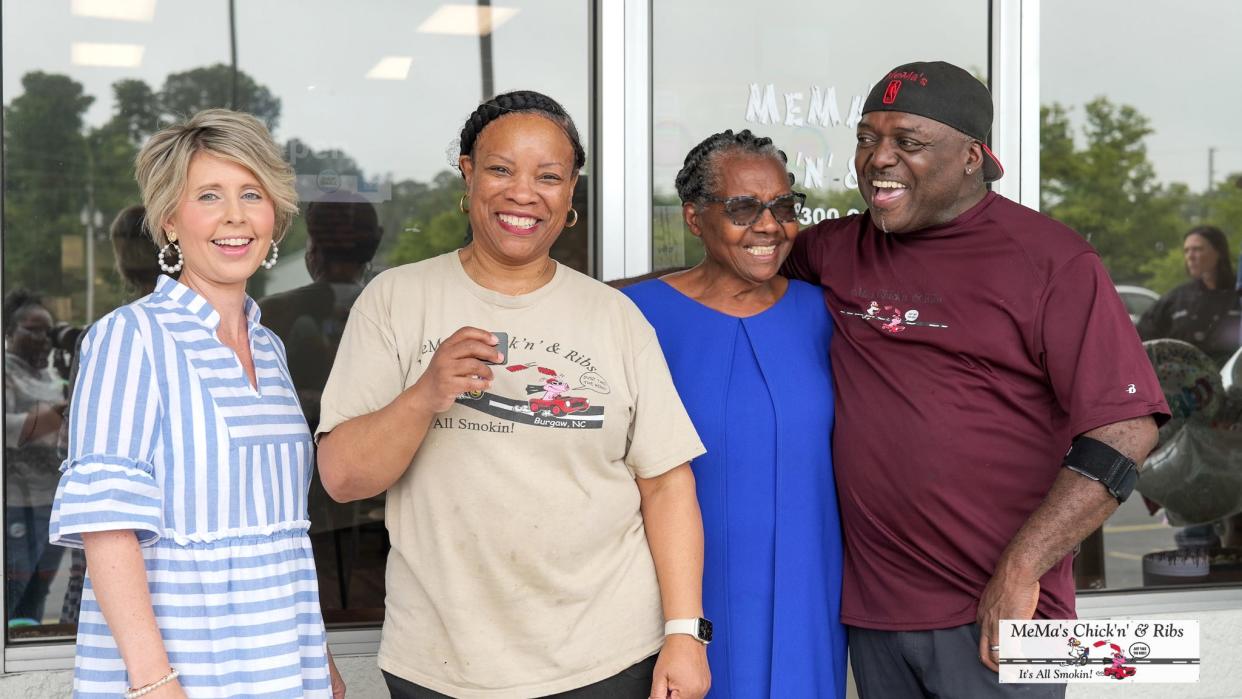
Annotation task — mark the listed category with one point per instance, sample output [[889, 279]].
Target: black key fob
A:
[[502, 346]]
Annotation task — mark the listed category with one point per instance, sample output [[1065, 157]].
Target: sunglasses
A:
[[745, 210]]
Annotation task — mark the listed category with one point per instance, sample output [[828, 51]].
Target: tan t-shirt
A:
[[519, 563]]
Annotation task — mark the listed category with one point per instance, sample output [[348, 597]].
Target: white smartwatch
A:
[[699, 629]]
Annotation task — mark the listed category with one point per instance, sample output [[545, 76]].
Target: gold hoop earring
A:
[[461, 204], [573, 211]]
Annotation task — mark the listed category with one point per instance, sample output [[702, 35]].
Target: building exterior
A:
[[1106, 117]]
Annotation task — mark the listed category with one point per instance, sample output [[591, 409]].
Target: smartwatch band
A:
[[698, 628]]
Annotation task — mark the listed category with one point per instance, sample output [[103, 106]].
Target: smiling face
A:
[[1201, 258], [521, 183], [752, 253], [912, 171], [223, 223]]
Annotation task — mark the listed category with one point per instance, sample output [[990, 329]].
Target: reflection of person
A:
[[1205, 311], [761, 399], [136, 262], [976, 341], [135, 254], [342, 237], [526, 534], [343, 233], [34, 400], [187, 463]]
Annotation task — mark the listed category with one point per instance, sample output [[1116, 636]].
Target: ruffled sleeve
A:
[[108, 481]]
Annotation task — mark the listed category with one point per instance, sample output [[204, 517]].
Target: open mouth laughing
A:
[[886, 192]]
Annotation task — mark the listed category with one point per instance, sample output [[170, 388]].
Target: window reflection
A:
[[342, 236], [720, 65], [1124, 165], [34, 404], [368, 118]]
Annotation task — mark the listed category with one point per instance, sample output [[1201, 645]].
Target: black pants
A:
[[633, 682], [923, 664]]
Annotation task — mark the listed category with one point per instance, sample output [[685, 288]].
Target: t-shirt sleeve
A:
[[107, 482], [661, 435], [1091, 352], [366, 374]]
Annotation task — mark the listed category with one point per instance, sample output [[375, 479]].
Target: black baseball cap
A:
[[942, 92]]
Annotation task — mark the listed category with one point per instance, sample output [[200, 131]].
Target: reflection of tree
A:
[[430, 222], [45, 159], [138, 112], [1107, 189], [201, 88], [52, 161]]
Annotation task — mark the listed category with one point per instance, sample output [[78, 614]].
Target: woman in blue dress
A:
[[188, 456], [748, 350]]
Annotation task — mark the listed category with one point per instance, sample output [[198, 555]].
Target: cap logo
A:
[[890, 93]]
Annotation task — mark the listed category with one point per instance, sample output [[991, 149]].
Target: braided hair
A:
[[15, 302], [700, 175], [520, 101]]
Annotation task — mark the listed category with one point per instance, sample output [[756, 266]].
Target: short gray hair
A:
[[163, 164]]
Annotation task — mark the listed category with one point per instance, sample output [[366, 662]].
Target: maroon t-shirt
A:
[[966, 358]]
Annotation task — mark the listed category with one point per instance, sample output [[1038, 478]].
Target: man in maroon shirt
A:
[[976, 341]]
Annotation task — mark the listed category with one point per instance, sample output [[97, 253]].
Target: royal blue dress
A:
[[759, 391]]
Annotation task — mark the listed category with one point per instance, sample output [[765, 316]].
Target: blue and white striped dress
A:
[[169, 439]]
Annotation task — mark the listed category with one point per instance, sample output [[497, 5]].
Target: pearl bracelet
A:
[[132, 693]]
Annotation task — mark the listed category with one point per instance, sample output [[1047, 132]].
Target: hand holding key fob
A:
[[502, 346]]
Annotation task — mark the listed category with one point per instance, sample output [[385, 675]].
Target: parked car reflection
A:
[[1137, 300]]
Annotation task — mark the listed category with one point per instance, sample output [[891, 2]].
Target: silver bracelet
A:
[[132, 693]]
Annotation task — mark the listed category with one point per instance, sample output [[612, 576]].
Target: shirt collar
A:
[[197, 305]]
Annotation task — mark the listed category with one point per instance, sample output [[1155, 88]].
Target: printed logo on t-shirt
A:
[[549, 398], [892, 319]]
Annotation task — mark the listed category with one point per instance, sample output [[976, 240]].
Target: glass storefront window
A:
[[369, 118], [797, 72], [1136, 152]]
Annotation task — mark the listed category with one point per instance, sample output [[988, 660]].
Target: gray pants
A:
[[943, 663], [631, 683]]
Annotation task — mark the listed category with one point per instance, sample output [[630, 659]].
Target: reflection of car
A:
[[559, 406], [1137, 300]]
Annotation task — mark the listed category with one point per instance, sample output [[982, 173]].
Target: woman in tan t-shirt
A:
[[541, 506]]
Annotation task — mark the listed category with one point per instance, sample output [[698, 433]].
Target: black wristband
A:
[[1096, 460]]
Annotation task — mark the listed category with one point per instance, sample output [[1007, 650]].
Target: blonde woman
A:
[[188, 454]]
